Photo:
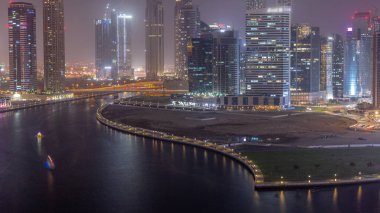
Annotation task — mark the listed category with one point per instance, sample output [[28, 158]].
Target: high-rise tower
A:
[[154, 41], [54, 45], [22, 47], [305, 64], [124, 46], [376, 63], [358, 59], [267, 71], [255, 4], [187, 26], [285, 3]]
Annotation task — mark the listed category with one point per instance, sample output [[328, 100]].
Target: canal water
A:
[[102, 170]]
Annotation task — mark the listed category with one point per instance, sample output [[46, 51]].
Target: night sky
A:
[[330, 15]]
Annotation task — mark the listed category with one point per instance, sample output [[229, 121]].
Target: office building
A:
[[154, 42], [255, 4], [305, 64], [54, 45], [22, 47], [124, 46], [358, 57], [200, 64], [267, 71], [187, 26], [376, 64], [105, 49], [226, 62]]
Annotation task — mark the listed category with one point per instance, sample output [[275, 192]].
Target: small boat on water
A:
[[40, 135], [49, 163]]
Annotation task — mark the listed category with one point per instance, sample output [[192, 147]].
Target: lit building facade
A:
[[54, 45], [324, 53], [200, 61], [305, 63], [255, 4], [376, 64], [187, 26], [267, 71], [105, 49], [124, 46], [226, 62], [22, 47], [358, 59], [285, 3], [335, 75], [154, 42]]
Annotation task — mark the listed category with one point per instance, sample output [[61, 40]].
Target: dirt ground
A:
[[222, 127]]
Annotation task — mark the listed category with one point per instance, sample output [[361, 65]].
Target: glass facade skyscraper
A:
[[54, 45], [22, 47], [305, 61], [187, 26], [105, 48], [376, 64], [124, 46], [267, 69], [358, 59], [154, 42]]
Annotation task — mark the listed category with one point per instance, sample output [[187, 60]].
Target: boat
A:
[[49, 163], [40, 135]]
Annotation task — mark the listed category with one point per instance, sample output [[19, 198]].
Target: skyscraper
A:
[[305, 64], [54, 45], [154, 42], [267, 70], [324, 56], [22, 47], [124, 46], [214, 61], [226, 62], [105, 54], [336, 44], [285, 3], [255, 4], [187, 26], [200, 64], [358, 77], [376, 64]]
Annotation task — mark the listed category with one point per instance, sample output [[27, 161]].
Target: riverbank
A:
[[228, 152], [280, 170], [38, 104]]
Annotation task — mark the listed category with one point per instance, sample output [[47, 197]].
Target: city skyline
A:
[[80, 46]]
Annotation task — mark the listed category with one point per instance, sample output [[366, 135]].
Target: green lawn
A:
[[321, 164]]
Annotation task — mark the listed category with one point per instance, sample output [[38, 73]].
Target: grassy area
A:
[[321, 164]]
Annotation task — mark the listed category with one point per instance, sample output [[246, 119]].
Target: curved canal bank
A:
[[260, 183], [252, 168]]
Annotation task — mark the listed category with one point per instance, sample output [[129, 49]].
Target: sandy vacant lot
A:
[[222, 126]]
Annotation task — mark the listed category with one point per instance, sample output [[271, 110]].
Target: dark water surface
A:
[[101, 170]]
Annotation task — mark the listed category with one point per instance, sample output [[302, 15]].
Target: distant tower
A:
[[54, 45], [124, 45], [22, 47], [305, 64], [154, 41], [187, 26], [104, 48], [376, 64], [255, 4], [358, 59], [285, 3]]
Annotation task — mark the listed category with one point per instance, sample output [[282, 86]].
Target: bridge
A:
[[155, 87]]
